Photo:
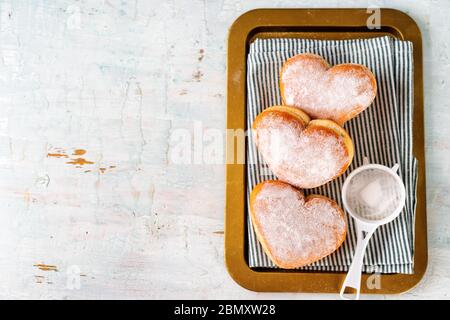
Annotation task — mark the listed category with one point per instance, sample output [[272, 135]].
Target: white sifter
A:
[[373, 195]]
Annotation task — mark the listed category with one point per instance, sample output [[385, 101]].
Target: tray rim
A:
[[235, 242]]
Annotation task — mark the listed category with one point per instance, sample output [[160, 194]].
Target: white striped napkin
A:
[[383, 133]]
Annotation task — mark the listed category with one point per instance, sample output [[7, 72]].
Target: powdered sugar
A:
[[301, 156], [295, 231], [338, 93]]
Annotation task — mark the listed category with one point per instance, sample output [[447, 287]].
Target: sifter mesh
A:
[[373, 194]]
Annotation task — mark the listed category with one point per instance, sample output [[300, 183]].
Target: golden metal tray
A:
[[315, 24]]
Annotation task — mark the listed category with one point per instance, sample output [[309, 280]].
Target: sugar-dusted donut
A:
[[337, 93], [295, 230], [301, 152]]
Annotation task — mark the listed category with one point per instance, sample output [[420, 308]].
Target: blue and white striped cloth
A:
[[383, 133]]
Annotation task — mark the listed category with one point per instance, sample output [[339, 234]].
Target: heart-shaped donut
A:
[[338, 93], [304, 153], [295, 230]]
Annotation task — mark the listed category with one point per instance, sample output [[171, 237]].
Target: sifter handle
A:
[[353, 278]]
